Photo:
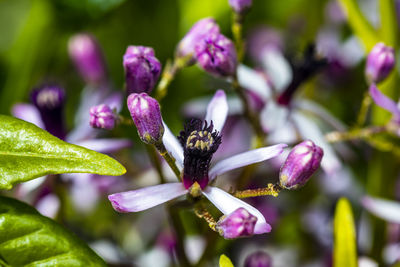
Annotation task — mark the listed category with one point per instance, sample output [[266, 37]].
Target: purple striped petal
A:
[[227, 204], [217, 110], [145, 198], [384, 209], [106, 145], [246, 158], [173, 146], [383, 101], [29, 113]]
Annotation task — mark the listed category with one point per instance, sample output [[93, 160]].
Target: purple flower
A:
[[380, 63], [102, 116], [239, 223], [304, 159], [142, 69], [258, 259], [86, 54], [240, 6], [216, 54], [197, 33], [49, 100], [196, 168], [146, 115]]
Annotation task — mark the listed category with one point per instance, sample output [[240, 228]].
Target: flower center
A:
[[199, 143]]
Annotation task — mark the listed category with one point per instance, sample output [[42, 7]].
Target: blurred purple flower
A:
[[196, 34], [380, 62], [86, 54], [201, 141], [102, 116], [216, 54], [240, 6], [258, 259], [142, 69]]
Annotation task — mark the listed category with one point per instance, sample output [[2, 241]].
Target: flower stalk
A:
[[270, 190], [169, 159]]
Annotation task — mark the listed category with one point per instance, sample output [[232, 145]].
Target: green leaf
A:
[[28, 152], [344, 246], [224, 261], [29, 239], [361, 27]]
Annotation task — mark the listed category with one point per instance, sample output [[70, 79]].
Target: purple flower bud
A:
[[301, 163], [86, 54], [380, 63], [216, 54], [142, 69], [197, 33], [258, 259], [239, 223], [240, 6], [146, 115], [49, 100], [102, 116]]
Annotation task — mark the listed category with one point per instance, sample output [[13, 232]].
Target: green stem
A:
[[169, 159], [156, 162], [270, 190], [361, 27], [363, 133], [237, 28], [362, 115], [389, 28]]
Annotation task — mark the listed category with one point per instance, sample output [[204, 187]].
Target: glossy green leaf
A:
[[224, 261], [344, 247], [28, 152], [29, 239]]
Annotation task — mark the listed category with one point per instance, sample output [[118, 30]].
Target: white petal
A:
[[309, 130], [273, 116], [253, 81], [227, 204], [29, 113], [147, 197], [217, 110], [173, 146], [48, 205], [246, 158], [321, 112], [27, 187], [198, 107], [277, 67], [385, 209], [105, 145]]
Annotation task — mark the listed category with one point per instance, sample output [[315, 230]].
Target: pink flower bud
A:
[[239, 223]]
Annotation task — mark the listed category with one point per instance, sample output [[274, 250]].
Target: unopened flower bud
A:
[[142, 69], [301, 163], [49, 100], [86, 54], [240, 6], [380, 62], [146, 115], [102, 116], [197, 33], [239, 223], [216, 54], [258, 259]]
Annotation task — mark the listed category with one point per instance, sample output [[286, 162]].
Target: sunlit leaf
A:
[[224, 261], [28, 152], [30, 239], [344, 247]]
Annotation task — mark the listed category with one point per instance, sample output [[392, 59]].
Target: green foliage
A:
[[224, 261], [344, 248], [28, 152], [30, 239]]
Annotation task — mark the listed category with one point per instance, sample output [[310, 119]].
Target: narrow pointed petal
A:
[[246, 158], [277, 67], [173, 146], [277, 120], [217, 110], [114, 101], [147, 197], [29, 113], [197, 108], [384, 209], [383, 101], [253, 81], [105, 145], [227, 204], [309, 130], [322, 113]]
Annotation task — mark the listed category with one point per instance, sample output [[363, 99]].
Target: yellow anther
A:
[[197, 145], [201, 134]]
